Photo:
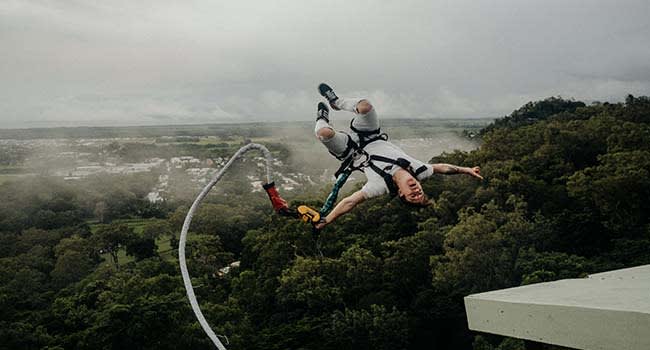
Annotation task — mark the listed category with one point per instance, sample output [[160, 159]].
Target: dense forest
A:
[[565, 194]]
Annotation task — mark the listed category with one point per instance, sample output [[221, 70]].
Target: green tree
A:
[[111, 238], [311, 286], [141, 247], [157, 229], [536, 267], [617, 189], [481, 250], [206, 255], [376, 328], [75, 258]]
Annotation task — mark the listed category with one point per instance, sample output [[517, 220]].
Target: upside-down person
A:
[[388, 169]]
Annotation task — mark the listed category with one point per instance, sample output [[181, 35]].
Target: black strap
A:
[[365, 141], [351, 145], [364, 133], [420, 170], [401, 162], [345, 166], [388, 179], [348, 156]]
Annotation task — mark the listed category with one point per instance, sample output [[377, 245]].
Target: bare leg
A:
[[366, 118], [335, 142]]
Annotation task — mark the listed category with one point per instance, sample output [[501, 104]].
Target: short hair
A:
[[425, 201]]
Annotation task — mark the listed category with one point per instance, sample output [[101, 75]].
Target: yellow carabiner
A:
[[308, 214]]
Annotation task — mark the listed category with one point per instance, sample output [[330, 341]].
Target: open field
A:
[[163, 245], [136, 224], [164, 250]]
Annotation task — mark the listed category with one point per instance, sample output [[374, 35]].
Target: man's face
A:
[[410, 188]]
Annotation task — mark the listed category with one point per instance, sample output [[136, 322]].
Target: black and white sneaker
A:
[[327, 92], [323, 112]]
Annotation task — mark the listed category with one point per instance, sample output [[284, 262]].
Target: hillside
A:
[[564, 195]]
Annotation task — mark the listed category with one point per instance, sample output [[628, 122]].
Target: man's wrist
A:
[[455, 169]]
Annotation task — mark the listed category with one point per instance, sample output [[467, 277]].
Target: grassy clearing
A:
[[122, 258], [136, 224], [163, 244], [163, 247]]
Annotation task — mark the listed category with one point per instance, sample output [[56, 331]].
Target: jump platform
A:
[[609, 310]]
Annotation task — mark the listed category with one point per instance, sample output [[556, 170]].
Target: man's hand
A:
[[321, 224], [475, 171]]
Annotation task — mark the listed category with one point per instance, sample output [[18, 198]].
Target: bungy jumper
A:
[[280, 206]]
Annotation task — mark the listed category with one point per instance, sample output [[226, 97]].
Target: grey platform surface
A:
[[609, 310]]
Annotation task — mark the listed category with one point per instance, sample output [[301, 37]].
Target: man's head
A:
[[409, 189]]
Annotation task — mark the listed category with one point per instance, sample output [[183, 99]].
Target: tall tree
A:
[[111, 238]]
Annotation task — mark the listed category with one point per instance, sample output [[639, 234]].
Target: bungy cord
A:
[[186, 225]]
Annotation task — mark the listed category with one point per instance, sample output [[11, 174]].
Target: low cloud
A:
[[90, 62]]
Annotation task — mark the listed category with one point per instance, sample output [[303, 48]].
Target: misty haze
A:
[[179, 162], [499, 201]]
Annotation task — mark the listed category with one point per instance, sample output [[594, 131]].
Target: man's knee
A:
[[364, 107], [325, 133]]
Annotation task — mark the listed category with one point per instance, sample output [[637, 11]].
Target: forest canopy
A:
[[565, 195]]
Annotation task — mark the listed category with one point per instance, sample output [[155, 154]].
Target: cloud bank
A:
[[176, 62]]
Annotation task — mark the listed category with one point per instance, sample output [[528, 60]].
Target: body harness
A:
[[356, 158], [353, 158]]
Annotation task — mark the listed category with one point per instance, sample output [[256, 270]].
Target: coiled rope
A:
[[186, 225]]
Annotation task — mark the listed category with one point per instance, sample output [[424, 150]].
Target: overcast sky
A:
[[65, 63]]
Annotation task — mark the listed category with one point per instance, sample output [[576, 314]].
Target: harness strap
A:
[[351, 145], [420, 170], [388, 179], [401, 162], [364, 133], [353, 149], [344, 167], [363, 142]]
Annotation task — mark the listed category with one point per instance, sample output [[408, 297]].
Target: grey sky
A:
[[65, 63]]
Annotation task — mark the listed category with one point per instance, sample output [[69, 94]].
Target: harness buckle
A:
[[360, 159]]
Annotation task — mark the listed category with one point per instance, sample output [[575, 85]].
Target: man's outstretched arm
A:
[[448, 169], [345, 205]]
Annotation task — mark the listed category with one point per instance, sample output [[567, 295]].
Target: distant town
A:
[[185, 158], [53, 157]]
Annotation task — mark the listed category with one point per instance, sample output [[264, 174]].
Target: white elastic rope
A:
[[186, 225]]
